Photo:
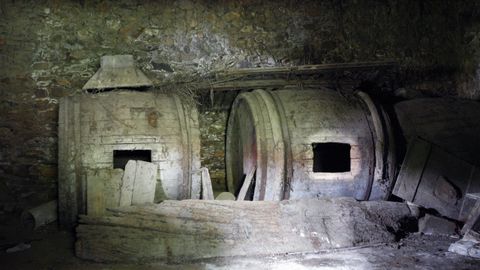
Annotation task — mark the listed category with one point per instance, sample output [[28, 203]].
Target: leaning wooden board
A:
[[175, 231], [138, 183], [434, 178], [103, 189]]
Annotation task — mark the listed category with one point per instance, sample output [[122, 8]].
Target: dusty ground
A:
[[53, 249]]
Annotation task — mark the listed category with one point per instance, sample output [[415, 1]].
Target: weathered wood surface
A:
[[474, 215], [70, 185], [274, 77], [383, 175], [254, 84], [138, 183], [246, 184], [128, 181], [207, 190], [276, 131], [92, 127], [308, 68], [412, 169], [145, 181], [434, 178], [103, 190], [196, 229], [95, 193]]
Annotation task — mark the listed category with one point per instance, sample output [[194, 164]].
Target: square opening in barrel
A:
[[121, 157], [331, 157]]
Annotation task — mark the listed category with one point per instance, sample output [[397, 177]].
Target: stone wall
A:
[[212, 138], [49, 49]]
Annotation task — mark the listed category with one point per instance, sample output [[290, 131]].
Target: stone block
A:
[[466, 248], [469, 245], [435, 225]]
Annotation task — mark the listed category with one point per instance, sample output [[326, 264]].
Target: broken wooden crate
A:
[[434, 178], [175, 231]]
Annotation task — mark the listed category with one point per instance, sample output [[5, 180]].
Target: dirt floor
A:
[[53, 249]]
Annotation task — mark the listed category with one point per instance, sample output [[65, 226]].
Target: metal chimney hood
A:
[[117, 71]]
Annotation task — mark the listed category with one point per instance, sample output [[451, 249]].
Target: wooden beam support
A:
[[308, 69], [275, 77], [179, 231], [246, 184]]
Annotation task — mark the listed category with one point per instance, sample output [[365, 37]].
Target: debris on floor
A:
[[41, 215], [19, 247], [469, 245]]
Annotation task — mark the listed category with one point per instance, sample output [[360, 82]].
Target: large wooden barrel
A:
[[105, 130], [309, 143]]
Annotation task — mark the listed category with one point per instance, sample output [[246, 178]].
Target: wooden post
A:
[[246, 184], [207, 190]]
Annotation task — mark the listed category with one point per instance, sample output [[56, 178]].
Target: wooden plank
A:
[[473, 216], [475, 196], [207, 190], [128, 180], [246, 184], [261, 83], [436, 179], [185, 184], [81, 186], [112, 188], [473, 188], [412, 169], [144, 183], [199, 229], [250, 78], [63, 171], [68, 186], [444, 184], [103, 189], [307, 69], [96, 192]]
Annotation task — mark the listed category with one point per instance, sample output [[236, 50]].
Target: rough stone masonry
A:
[[49, 49]]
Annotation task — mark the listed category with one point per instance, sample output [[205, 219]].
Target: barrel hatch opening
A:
[[331, 157], [121, 157]]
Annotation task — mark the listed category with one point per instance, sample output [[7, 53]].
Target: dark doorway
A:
[[121, 157]]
